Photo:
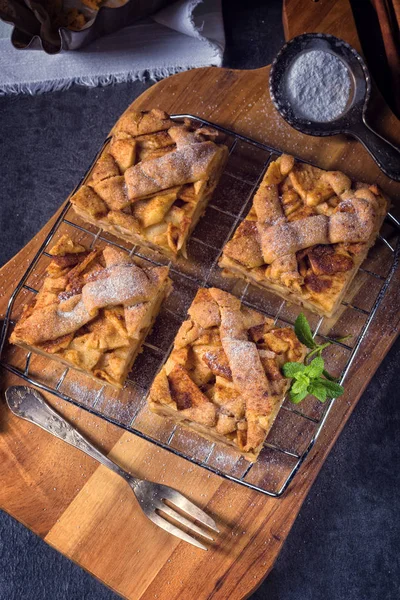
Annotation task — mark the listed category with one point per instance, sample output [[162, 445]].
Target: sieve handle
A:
[[385, 154]]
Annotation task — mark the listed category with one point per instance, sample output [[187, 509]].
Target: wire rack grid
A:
[[295, 431]]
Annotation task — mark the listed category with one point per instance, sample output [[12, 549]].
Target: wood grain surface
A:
[[87, 512]]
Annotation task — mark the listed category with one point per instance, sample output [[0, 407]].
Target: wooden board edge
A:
[[391, 301]]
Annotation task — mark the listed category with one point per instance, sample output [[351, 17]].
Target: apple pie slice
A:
[[223, 377], [153, 180], [93, 311], [306, 234]]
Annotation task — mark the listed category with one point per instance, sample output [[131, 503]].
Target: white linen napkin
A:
[[183, 36]]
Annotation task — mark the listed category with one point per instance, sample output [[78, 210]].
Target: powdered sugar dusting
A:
[[318, 85], [124, 285], [186, 164]]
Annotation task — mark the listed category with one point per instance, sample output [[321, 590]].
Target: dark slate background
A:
[[344, 544]]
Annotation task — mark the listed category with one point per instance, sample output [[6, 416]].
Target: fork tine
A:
[[189, 508], [181, 519], [161, 522]]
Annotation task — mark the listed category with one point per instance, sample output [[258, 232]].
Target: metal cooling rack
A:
[[238, 470]]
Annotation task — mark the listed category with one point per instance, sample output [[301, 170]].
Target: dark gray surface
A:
[[344, 544]]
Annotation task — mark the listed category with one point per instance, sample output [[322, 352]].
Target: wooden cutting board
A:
[[87, 512]]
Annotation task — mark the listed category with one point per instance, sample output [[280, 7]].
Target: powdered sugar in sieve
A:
[[318, 86]]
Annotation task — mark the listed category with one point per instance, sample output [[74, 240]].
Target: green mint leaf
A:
[[333, 390], [311, 377], [300, 384], [290, 369], [329, 376], [315, 368], [303, 331], [318, 390], [296, 398]]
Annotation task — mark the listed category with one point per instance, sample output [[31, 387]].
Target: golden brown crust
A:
[[153, 180], [93, 309], [306, 234], [136, 123], [224, 371]]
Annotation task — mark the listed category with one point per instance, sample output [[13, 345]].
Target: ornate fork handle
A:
[[26, 403]]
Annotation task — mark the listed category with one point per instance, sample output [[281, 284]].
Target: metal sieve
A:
[[353, 119]]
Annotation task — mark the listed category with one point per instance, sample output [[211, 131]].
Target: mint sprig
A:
[[311, 377], [303, 331]]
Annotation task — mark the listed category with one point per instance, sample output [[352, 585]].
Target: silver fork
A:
[[29, 404]]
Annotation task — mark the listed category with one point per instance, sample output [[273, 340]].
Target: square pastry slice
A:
[[153, 180], [306, 234], [93, 311], [223, 377]]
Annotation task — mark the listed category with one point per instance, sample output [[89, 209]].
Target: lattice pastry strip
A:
[[93, 310], [306, 234], [223, 377], [153, 181]]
